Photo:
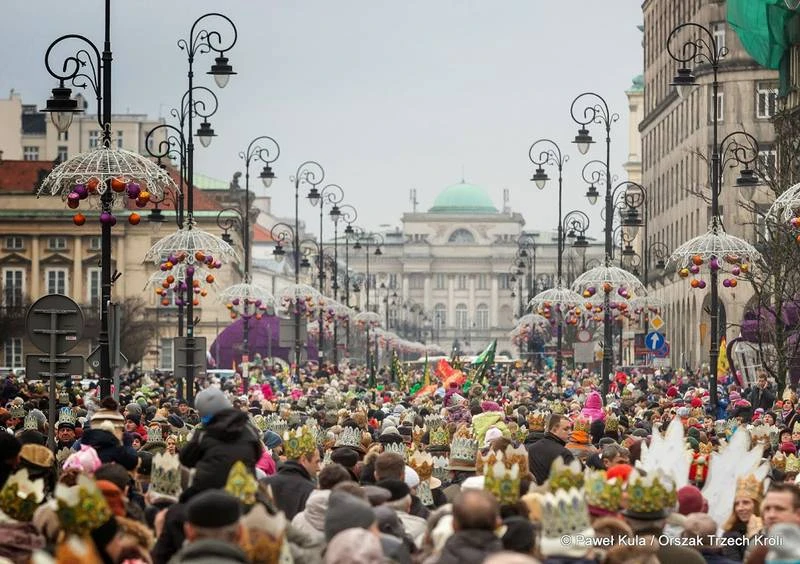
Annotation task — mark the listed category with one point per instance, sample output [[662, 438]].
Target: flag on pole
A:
[[484, 361], [723, 367], [426, 375]]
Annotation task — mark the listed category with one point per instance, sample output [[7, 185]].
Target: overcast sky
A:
[[386, 95]]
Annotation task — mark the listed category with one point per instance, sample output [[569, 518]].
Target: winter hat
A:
[[690, 500], [398, 488], [213, 509], [272, 439], [345, 456], [85, 460], [134, 409], [519, 535], [734, 397], [593, 408], [492, 434], [137, 419], [354, 546], [411, 477], [345, 511], [211, 401], [672, 391]]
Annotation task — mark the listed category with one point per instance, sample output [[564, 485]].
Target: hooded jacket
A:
[[470, 547], [541, 455], [312, 519], [228, 437], [291, 486], [210, 551]]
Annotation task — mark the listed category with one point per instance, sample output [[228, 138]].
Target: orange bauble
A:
[[170, 279], [79, 219], [165, 284], [165, 302], [694, 283], [607, 287], [200, 255], [733, 282], [118, 185], [203, 293], [92, 185], [134, 218], [196, 301], [233, 315], [195, 283], [144, 196], [210, 278], [697, 260]]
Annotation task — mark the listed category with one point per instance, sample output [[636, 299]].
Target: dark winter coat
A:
[[291, 485], [470, 547], [210, 551], [762, 398], [110, 449], [541, 455], [229, 437]]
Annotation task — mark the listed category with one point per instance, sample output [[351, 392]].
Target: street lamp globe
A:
[[278, 253], [267, 176], [592, 194], [313, 196], [62, 108], [684, 82], [540, 178], [205, 133], [221, 70], [583, 140]]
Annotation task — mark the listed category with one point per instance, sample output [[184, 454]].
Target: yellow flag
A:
[[722, 360], [426, 375]]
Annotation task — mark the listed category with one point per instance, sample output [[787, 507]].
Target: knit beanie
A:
[[211, 401], [345, 511]]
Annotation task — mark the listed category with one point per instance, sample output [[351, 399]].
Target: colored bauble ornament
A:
[[203, 293], [683, 273], [607, 287], [118, 184], [210, 278], [144, 195], [695, 283], [697, 259], [81, 191], [745, 267], [79, 219], [733, 282], [736, 271], [165, 302], [726, 283], [713, 264], [189, 271], [133, 190], [702, 284], [196, 301], [92, 185], [694, 269], [200, 256], [134, 218], [73, 203]]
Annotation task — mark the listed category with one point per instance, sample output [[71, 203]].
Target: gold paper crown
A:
[[522, 433], [241, 484], [652, 493], [536, 421], [20, 496], [502, 481], [564, 512], [422, 463], [706, 448], [557, 407], [750, 487], [260, 422], [165, 476], [511, 455], [764, 434], [417, 433], [796, 428], [565, 476], [408, 417], [81, 508], [612, 423], [582, 424], [779, 461], [298, 443], [264, 535], [602, 492], [349, 437], [792, 463]]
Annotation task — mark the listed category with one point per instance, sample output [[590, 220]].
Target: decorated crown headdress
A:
[[438, 436], [81, 507], [612, 423], [398, 448], [66, 416], [276, 424], [564, 512], [649, 494], [536, 421], [463, 448], [20, 496], [796, 428], [750, 487], [511, 455], [779, 461], [241, 484], [417, 433], [422, 463], [31, 423], [165, 476], [349, 437], [299, 442], [582, 424], [792, 463], [17, 412], [440, 470], [565, 476], [602, 492], [502, 481]]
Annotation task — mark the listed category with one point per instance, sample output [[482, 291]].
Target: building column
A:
[[426, 300], [77, 270], [36, 273], [451, 300], [495, 306]]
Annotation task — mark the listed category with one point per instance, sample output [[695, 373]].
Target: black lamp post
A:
[[660, 252], [365, 241], [702, 48], [62, 108], [595, 110], [349, 215], [332, 195]]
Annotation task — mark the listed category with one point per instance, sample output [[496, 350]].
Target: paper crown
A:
[[439, 436], [326, 459], [398, 448], [564, 512], [612, 423], [582, 424], [66, 417], [165, 476], [511, 455], [299, 442], [748, 487], [440, 464], [765, 434], [779, 461], [796, 428], [502, 481], [241, 484], [31, 423], [463, 450], [417, 433], [154, 435], [536, 421], [260, 422], [601, 492], [21, 496], [649, 497], [408, 417], [565, 476], [17, 412], [792, 463], [81, 508], [422, 463], [522, 433], [349, 437], [557, 407], [276, 424]]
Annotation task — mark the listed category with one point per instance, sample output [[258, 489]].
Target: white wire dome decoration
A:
[[192, 246], [247, 300], [715, 251], [174, 280], [368, 318], [129, 175], [559, 301], [608, 279], [786, 206], [653, 304], [301, 299]]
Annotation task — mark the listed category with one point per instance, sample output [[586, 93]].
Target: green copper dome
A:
[[463, 198]]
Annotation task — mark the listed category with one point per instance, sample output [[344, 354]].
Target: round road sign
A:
[[54, 312]]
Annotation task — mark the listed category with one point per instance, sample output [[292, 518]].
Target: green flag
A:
[[484, 361]]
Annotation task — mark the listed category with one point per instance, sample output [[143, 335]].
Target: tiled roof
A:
[[261, 234]]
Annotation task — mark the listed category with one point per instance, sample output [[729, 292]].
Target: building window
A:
[[30, 153], [393, 281], [57, 243], [762, 225], [56, 279], [441, 281], [13, 352], [119, 139], [482, 316], [94, 138], [93, 288], [462, 236], [766, 99], [439, 316], [94, 244], [461, 282], [718, 29], [14, 243], [392, 317], [720, 107], [505, 281], [482, 281], [768, 162], [63, 135], [416, 281], [63, 153], [13, 287], [165, 354], [462, 317]]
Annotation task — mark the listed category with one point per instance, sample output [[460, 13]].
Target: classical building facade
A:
[[676, 145], [448, 275]]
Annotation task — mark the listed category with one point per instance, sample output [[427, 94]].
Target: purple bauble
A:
[[107, 218], [726, 283], [713, 264], [701, 284], [189, 271], [235, 301], [81, 191], [133, 190]]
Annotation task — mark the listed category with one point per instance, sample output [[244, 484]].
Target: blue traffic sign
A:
[[654, 341]]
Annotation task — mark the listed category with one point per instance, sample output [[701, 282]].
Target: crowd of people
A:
[[326, 468]]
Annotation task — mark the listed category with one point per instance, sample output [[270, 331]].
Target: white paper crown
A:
[[349, 437], [31, 423], [399, 448], [276, 424], [165, 477], [440, 467], [564, 513], [66, 415], [464, 449]]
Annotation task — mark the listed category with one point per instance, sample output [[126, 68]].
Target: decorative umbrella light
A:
[[555, 304], [721, 252], [191, 246], [174, 280], [247, 300], [368, 319], [608, 279], [786, 206], [129, 175]]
